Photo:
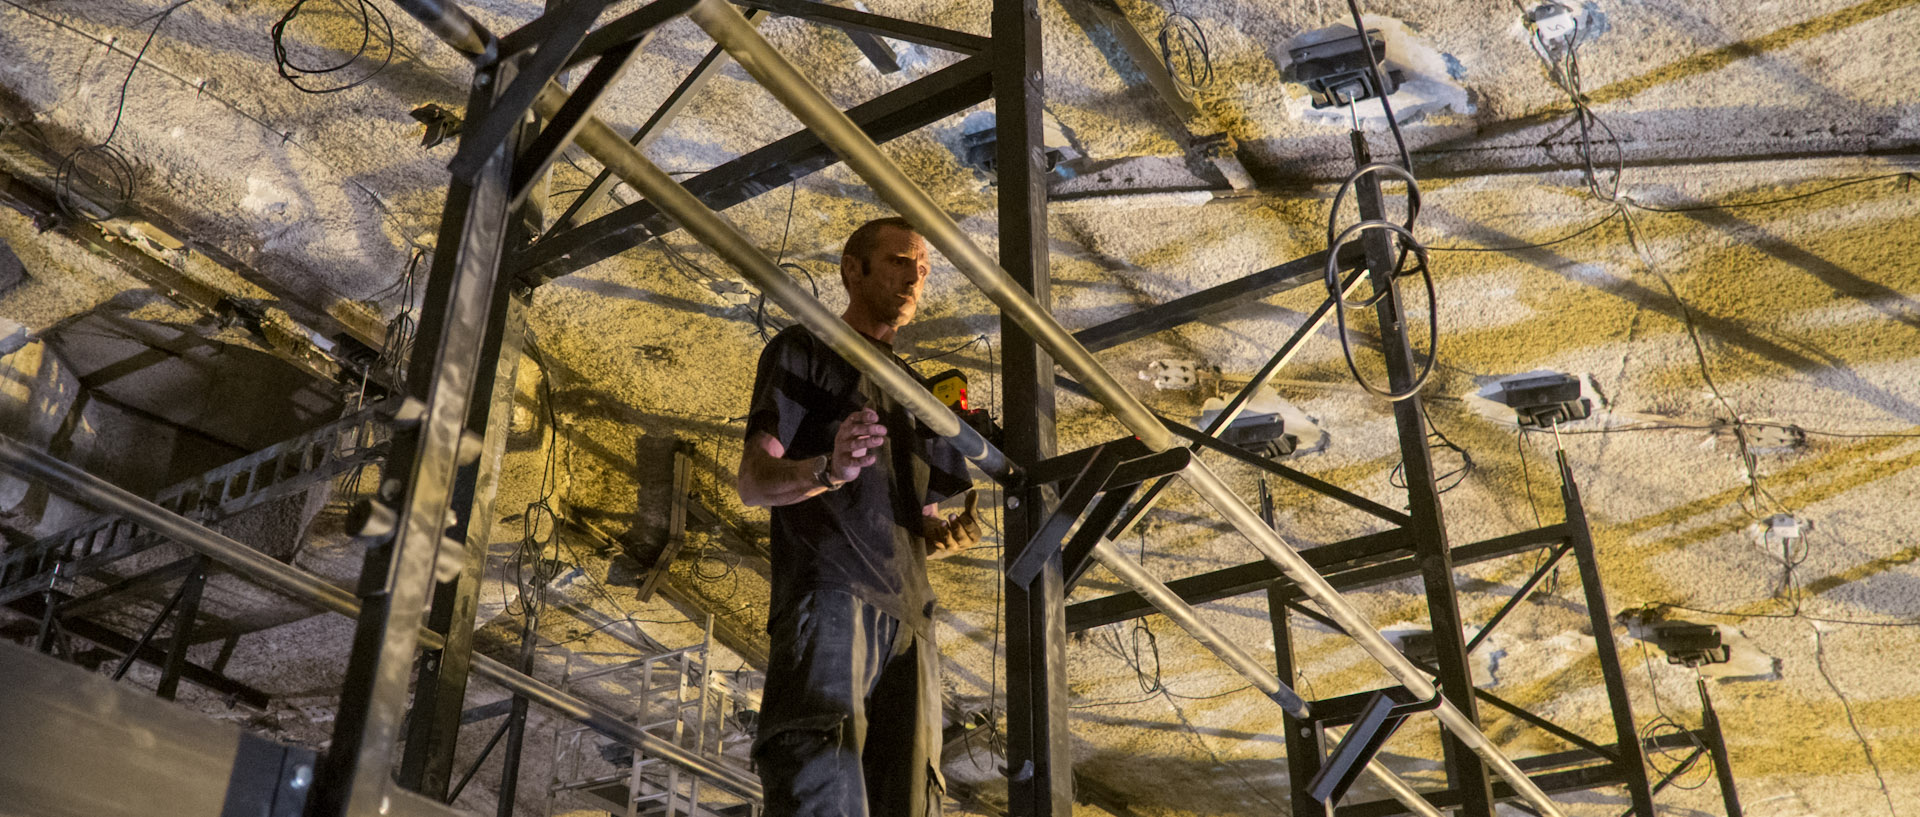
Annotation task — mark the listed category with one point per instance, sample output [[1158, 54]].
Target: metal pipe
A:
[[1208, 485], [69, 481], [452, 25], [1182, 613], [725, 25], [728, 28], [722, 237], [1394, 784], [446, 20], [814, 110], [1189, 619]]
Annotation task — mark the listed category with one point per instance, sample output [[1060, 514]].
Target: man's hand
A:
[[957, 532], [855, 446]]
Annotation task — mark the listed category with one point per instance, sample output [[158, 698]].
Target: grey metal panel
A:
[[74, 744]]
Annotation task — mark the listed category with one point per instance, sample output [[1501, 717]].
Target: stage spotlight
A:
[[1338, 71], [1545, 399]]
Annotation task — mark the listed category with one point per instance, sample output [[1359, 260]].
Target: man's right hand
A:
[[856, 445]]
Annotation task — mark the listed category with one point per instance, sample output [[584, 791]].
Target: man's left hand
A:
[[957, 532]]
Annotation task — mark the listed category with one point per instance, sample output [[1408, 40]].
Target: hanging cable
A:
[[373, 39], [110, 187], [1385, 280], [1185, 52]]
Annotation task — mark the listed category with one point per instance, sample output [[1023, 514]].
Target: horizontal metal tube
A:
[[1399, 788], [65, 479], [714, 231], [811, 107], [732, 31], [1208, 485], [1173, 607], [1189, 619], [452, 25]]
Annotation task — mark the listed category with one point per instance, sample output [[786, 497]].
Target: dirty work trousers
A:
[[850, 723]]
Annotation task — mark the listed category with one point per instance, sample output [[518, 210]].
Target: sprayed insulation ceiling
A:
[[1804, 312]]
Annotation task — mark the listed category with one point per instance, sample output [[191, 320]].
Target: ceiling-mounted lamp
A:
[[1691, 645], [1546, 399], [1339, 71]]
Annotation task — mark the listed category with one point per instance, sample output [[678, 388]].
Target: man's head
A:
[[884, 268]]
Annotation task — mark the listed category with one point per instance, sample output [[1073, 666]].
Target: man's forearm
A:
[[768, 481]]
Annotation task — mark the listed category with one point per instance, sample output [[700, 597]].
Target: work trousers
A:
[[850, 723]]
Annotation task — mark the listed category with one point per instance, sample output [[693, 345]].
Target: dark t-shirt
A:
[[865, 537]]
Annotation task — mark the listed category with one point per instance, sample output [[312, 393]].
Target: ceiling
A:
[[1798, 312]]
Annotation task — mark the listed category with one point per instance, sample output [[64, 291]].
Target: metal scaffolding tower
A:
[[1063, 509]]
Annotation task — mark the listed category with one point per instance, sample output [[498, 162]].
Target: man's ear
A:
[[851, 268]]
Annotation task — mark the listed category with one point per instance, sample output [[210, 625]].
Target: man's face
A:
[[888, 282]]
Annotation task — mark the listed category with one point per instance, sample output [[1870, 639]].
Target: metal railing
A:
[[754, 54], [69, 481]]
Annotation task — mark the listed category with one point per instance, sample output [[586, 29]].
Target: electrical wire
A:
[[1374, 62], [296, 74], [780, 260], [110, 187], [1409, 245], [387, 211], [1185, 51], [1612, 214], [978, 339], [1846, 705]]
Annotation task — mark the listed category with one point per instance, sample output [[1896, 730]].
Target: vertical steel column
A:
[[1465, 771], [1039, 759], [183, 618], [1717, 747], [1303, 736], [1629, 756], [433, 725], [397, 576], [517, 714]]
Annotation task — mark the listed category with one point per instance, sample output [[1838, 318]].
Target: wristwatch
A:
[[821, 475]]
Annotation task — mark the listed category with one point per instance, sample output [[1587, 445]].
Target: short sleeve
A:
[[781, 387]]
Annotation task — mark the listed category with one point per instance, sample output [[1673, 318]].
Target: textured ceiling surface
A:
[[1789, 302]]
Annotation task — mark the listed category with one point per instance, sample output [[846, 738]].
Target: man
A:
[[850, 724]]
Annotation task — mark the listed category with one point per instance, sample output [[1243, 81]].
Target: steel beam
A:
[[1466, 772], [1039, 747], [183, 620], [440, 688], [884, 118], [1633, 765], [1717, 746], [1213, 300], [861, 22], [458, 313], [1348, 565], [148, 654], [602, 184], [66, 480]]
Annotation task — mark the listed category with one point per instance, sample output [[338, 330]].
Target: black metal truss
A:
[[874, 24], [141, 650], [884, 118], [478, 259]]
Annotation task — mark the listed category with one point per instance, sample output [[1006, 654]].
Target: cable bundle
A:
[[295, 73], [1337, 238]]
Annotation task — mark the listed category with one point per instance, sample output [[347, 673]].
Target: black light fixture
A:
[[1339, 71], [1545, 399], [1689, 644]]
